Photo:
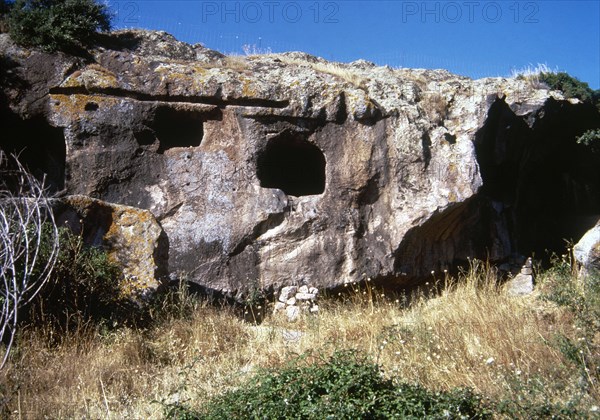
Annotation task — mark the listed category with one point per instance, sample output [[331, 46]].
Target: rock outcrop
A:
[[133, 238], [587, 250], [285, 169]]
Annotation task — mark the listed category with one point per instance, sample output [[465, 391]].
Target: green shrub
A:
[[571, 87], [581, 296], [66, 25], [84, 286], [346, 386]]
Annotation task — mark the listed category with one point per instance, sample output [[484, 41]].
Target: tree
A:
[[53, 25], [29, 243]]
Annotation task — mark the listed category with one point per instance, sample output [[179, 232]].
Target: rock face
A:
[[587, 250], [285, 169], [133, 238]]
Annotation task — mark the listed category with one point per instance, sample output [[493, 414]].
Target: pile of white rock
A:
[[522, 283], [294, 300]]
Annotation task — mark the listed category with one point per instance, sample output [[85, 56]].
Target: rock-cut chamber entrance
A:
[[292, 164]]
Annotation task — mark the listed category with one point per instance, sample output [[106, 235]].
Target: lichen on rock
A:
[[281, 169]]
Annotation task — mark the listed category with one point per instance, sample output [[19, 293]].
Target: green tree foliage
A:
[[53, 25]]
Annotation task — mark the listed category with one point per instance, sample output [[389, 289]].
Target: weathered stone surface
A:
[[132, 237], [587, 250], [282, 168]]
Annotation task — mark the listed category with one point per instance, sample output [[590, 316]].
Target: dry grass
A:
[[334, 69], [471, 334], [435, 106], [532, 74]]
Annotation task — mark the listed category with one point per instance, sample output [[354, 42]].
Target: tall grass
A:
[[533, 74], [466, 333]]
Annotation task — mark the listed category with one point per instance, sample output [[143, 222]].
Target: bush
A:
[[346, 386], [581, 297], [83, 287], [53, 25], [571, 87]]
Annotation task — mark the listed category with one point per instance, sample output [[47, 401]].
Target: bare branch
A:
[[29, 243]]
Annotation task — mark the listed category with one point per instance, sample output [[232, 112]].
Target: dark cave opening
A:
[[541, 185], [292, 164], [541, 189], [177, 128], [39, 146]]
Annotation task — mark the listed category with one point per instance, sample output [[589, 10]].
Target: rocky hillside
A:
[[281, 169]]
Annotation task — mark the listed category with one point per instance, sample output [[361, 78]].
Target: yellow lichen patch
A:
[[132, 236], [92, 77], [73, 107], [193, 76], [247, 88]]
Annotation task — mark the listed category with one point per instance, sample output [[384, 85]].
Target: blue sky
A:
[[475, 38]]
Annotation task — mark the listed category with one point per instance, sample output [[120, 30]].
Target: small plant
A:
[[347, 385], [57, 25], [590, 139], [175, 301]]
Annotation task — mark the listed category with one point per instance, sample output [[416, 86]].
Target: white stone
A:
[[279, 306], [313, 290], [521, 284], [287, 292], [303, 289], [293, 313], [314, 309], [292, 335], [305, 296], [291, 301], [528, 271]]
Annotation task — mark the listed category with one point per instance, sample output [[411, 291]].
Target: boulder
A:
[[288, 169], [132, 237], [587, 250]]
